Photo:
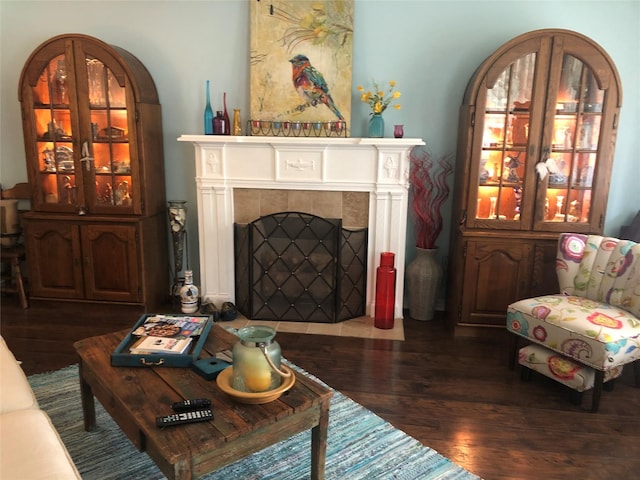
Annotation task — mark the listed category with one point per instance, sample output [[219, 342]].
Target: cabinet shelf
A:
[[110, 174], [101, 108], [56, 172], [56, 138], [566, 186], [51, 106], [500, 184], [106, 140], [508, 148], [504, 111]]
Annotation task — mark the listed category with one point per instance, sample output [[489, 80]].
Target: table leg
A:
[[88, 403], [319, 443]]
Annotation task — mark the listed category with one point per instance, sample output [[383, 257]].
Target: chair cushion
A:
[[32, 448], [562, 369], [594, 333]]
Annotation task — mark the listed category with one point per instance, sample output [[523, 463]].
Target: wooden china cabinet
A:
[[535, 150], [93, 141]]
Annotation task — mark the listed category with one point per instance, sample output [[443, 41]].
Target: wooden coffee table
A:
[[135, 396]]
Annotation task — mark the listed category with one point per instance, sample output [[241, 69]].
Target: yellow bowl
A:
[[225, 378]]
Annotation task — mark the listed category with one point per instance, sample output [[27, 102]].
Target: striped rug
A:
[[360, 444]]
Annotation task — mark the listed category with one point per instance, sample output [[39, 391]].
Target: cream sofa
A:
[[30, 447]]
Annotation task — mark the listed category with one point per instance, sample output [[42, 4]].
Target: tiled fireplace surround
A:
[[364, 181]]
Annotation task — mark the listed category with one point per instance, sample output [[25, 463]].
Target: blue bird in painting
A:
[[310, 84]]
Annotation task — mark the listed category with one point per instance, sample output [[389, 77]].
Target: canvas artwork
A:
[[301, 57]]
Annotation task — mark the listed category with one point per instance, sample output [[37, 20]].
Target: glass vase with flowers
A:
[[379, 99]]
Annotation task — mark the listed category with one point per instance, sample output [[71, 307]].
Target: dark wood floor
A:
[[455, 395]]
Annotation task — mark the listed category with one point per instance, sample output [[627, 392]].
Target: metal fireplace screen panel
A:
[[241, 258], [352, 274], [296, 266]]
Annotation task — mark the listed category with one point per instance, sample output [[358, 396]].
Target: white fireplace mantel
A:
[[379, 166]]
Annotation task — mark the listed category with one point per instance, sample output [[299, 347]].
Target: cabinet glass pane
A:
[[110, 136], [505, 135], [97, 79], [41, 90], [117, 96], [59, 81], [53, 129], [574, 143], [114, 190]]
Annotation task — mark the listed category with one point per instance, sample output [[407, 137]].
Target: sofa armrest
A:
[[32, 448], [15, 391]]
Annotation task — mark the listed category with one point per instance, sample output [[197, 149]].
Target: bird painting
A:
[[311, 85]]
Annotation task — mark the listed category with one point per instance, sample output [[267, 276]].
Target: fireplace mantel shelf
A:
[[313, 140], [379, 166]]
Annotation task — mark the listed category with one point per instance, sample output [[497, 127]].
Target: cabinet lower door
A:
[[496, 274], [54, 260], [544, 280], [110, 263]]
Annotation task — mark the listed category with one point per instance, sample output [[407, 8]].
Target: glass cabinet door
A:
[[505, 130], [536, 149], [55, 135], [572, 153], [83, 133], [110, 151]]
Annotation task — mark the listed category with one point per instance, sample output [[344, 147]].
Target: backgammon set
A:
[[159, 339]]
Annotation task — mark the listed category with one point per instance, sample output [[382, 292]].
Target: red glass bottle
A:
[[385, 291]]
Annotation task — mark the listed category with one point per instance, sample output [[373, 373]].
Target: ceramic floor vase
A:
[[424, 275]]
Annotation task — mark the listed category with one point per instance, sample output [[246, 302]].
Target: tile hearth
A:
[[361, 327]]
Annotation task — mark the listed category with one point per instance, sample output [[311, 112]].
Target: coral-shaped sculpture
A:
[[429, 190]]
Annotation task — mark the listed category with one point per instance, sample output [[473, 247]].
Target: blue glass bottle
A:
[[208, 115]]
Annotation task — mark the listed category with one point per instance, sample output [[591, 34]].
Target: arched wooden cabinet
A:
[[535, 150], [93, 141]]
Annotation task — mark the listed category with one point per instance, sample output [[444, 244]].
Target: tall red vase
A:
[[385, 291]]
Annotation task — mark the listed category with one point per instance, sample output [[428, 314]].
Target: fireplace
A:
[[295, 266], [224, 164]]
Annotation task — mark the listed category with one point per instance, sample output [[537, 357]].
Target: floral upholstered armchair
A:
[[593, 326]]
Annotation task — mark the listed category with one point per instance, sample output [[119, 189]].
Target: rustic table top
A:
[[135, 396]]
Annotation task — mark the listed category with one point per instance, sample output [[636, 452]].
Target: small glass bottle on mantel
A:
[[189, 294], [237, 126], [219, 123], [208, 114], [225, 115]]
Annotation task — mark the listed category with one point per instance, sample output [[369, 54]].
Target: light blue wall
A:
[[430, 48]]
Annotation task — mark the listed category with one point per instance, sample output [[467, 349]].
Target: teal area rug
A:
[[360, 444]]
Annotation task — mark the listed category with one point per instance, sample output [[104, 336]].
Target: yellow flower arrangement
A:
[[380, 100]]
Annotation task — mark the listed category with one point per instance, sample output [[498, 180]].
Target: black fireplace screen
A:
[[296, 266]]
